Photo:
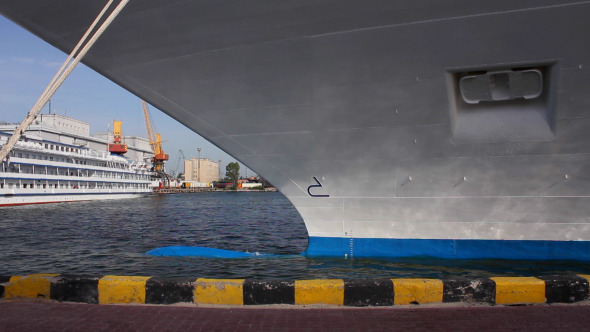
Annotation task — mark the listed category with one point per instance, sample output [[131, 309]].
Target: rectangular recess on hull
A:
[[501, 85], [508, 103]]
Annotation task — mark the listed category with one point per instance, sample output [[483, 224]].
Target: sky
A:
[[27, 65]]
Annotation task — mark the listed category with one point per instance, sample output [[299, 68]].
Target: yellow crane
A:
[[156, 143], [117, 147]]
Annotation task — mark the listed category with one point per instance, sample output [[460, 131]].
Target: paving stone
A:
[[55, 316]]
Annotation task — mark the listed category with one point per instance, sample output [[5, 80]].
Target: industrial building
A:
[[201, 170]]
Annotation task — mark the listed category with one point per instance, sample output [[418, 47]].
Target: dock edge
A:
[[112, 289]]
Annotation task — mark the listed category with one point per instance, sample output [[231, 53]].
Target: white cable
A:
[[80, 43], [62, 74]]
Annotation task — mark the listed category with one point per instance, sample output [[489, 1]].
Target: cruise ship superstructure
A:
[[396, 128], [52, 165]]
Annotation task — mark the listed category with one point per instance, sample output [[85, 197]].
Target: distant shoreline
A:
[[198, 190]]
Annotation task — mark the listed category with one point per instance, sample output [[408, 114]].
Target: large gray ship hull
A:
[[396, 128]]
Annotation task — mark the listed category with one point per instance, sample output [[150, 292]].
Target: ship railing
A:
[[30, 146], [111, 161], [39, 146]]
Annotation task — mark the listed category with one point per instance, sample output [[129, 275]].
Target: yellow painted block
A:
[[121, 289], [31, 286], [219, 291], [323, 291], [411, 291], [519, 290]]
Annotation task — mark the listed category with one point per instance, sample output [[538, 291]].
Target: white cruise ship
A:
[[44, 170]]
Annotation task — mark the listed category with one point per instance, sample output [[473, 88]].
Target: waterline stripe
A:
[[193, 251], [448, 248]]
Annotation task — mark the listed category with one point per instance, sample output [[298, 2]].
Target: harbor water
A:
[[112, 237]]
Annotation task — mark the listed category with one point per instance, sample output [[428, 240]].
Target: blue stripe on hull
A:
[[463, 249]]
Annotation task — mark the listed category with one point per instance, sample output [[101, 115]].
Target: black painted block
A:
[[565, 288], [169, 290], [75, 289], [3, 279], [269, 292], [368, 292], [469, 290]]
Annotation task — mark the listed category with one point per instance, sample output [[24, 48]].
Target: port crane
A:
[[117, 147], [156, 144], [180, 156]]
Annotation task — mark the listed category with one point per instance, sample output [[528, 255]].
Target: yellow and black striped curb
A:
[[342, 292]]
